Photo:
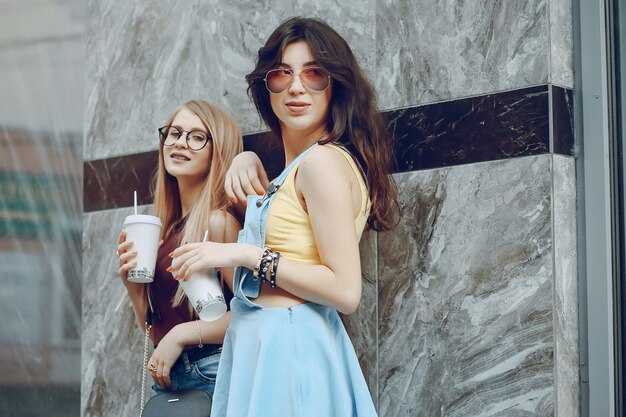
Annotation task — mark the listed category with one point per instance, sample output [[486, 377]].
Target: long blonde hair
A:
[[226, 143]]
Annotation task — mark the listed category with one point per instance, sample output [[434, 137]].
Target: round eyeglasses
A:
[[315, 78], [196, 139]]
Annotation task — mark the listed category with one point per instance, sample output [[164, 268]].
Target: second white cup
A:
[[205, 295]]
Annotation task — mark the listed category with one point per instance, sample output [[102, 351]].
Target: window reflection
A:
[[40, 246], [41, 106]]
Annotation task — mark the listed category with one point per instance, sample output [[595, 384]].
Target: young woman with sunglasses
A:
[[286, 352], [197, 144]]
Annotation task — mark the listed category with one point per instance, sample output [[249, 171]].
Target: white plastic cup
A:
[[144, 231], [205, 294]]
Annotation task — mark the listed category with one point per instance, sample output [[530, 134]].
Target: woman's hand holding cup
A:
[[127, 261], [200, 257], [199, 280]]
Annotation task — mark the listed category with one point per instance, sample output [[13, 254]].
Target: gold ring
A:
[[153, 367]]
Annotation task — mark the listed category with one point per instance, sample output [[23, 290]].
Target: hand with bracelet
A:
[[183, 336], [195, 257]]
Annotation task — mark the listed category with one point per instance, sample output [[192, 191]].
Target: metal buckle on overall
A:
[[271, 190]]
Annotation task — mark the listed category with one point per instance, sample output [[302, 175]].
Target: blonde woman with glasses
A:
[[197, 145]]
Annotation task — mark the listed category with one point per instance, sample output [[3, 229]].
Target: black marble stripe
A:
[[469, 130], [477, 129], [109, 183], [563, 121]]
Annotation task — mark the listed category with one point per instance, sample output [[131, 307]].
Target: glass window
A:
[[41, 105]]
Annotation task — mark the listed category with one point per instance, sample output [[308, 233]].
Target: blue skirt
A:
[[289, 362]]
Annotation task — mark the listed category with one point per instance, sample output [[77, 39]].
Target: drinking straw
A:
[[206, 235], [135, 197]]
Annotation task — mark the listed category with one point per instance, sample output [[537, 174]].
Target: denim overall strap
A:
[[246, 285]]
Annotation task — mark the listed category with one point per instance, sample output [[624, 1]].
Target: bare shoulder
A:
[[223, 226], [323, 161]]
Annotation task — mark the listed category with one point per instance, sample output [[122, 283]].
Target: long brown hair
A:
[[353, 119], [226, 143]]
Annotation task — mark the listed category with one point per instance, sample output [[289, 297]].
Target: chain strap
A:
[[145, 365]]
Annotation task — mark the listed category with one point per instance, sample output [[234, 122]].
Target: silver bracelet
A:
[[199, 336]]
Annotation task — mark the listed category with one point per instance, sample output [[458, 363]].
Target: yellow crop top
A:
[[288, 228]]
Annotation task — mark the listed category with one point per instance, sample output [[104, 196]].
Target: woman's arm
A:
[[324, 181], [323, 178], [246, 176], [223, 228], [182, 335]]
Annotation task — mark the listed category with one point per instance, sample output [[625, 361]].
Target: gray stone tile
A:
[[142, 61], [561, 43], [429, 51], [465, 293]]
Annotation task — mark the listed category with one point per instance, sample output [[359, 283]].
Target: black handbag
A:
[[189, 403]]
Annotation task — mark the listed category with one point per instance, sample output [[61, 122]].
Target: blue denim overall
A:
[[285, 361], [246, 285]]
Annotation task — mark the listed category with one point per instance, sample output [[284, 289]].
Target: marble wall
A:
[[465, 299], [469, 307]]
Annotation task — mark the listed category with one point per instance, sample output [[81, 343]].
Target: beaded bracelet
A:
[[275, 258], [257, 268], [264, 265]]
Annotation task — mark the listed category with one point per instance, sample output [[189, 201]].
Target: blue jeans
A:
[[199, 374]]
